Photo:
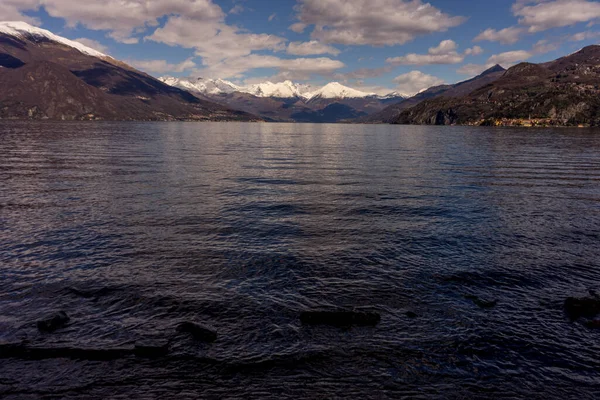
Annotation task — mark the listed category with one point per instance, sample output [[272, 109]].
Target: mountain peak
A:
[[495, 68], [25, 30]]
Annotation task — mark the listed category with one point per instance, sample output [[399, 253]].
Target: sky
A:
[[374, 45]]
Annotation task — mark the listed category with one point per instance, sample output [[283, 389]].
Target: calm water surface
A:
[[133, 228]]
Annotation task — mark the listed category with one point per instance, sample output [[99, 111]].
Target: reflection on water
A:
[[134, 228]]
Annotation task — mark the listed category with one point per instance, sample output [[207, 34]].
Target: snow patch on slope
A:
[[23, 29]]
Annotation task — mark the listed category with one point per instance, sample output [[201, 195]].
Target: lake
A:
[[134, 228]]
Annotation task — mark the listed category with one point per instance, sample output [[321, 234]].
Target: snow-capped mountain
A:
[[336, 90], [23, 29], [203, 86], [282, 90]]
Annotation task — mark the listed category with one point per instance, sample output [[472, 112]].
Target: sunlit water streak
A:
[[243, 226]]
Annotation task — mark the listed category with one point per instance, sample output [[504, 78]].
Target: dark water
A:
[[135, 228]]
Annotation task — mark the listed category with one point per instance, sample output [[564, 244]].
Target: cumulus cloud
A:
[[473, 69], [371, 22], [121, 18], [313, 47], [11, 10], [505, 36], [445, 53], [93, 44], [509, 58], [414, 82], [581, 36], [162, 66], [540, 15], [298, 67], [237, 9], [213, 40], [474, 51]]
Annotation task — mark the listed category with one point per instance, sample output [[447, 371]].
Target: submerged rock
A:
[[411, 314], [53, 322], [482, 303], [595, 324], [586, 307], [151, 349], [340, 318], [198, 332]]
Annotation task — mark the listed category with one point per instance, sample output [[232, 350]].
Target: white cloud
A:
[[214, 41], [313, 47], [505, 36], [371, 22], [121, 18], [237, 9], [301, 68], [272, 17], [162, 66], [473, 69], [414, 82], [509, 58], [540, 15], [11, 10], [581, 36], [298, 27], [445, 53], [93, 44], [474, 51]]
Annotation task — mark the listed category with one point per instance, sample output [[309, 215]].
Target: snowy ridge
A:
[[286, 89], [336, 90], [204, 86], [23, 29]]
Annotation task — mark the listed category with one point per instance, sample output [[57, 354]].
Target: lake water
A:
[[133, 228]]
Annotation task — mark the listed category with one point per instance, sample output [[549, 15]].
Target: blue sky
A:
[[379, 45]]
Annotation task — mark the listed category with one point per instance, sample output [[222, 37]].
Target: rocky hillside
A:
[[44, 76], [565, 92], [391, 113]]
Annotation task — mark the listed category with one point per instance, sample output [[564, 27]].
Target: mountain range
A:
[[288, 101], [45, 76]]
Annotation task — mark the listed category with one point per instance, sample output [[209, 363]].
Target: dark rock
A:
[[411, 314], [151, 349], [53, 322], [340, 318], [482, 303], [198, 332], [584, 307], [594, 324]]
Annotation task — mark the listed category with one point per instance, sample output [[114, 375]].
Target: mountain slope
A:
[[390, 113], [562, 92], [127, 93]]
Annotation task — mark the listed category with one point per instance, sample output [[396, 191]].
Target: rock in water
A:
[[411, 314], [586, 307], [151, 349], [340, 318], [482, 303], [53, 322], [198, 332]]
